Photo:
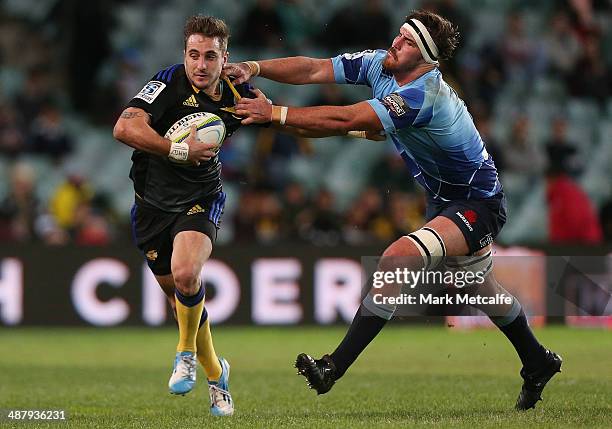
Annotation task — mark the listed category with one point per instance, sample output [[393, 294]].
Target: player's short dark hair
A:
[[209, 26], [442, 31]]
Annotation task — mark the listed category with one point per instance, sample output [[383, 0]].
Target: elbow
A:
[[358, 118], [119, 131]]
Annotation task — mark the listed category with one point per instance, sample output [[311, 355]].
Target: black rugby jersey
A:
[[168, 97]]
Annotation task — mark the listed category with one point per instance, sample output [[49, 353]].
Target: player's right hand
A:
[[239, 71], [255, 110], [199, 152]]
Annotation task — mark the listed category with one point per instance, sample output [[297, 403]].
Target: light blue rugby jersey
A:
[[429, 125]]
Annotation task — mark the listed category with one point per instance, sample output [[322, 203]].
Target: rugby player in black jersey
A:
[[179, 198], [178, 206]]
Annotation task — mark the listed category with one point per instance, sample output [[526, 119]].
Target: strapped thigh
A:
[[476, 264], [430, 246]]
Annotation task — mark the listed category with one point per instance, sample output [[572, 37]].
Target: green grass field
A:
[[409, 377]]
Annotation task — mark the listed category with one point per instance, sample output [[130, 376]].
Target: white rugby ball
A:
[[211, 129]]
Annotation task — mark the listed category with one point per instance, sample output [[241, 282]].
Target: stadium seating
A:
[[106, 163]]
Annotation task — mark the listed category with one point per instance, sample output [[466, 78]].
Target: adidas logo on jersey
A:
[[191, 101], [195, 209]]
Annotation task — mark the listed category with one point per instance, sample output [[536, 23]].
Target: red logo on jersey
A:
[[470, 215]]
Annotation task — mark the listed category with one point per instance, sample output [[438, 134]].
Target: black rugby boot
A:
[[320, 373], [534, 382]]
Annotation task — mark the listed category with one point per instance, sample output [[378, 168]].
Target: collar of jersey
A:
[[197, 91]]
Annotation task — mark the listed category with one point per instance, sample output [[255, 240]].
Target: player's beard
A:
[[390, 61], [392, 64]]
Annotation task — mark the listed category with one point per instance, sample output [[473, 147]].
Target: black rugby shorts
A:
[[479, 220], [154, 230]]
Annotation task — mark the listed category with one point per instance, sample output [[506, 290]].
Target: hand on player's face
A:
[[255, 110], [240, 71], [198, 151]]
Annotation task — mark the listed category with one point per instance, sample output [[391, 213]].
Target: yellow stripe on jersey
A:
[[232, 88]]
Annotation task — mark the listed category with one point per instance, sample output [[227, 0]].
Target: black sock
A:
[[530, 351], [363, 329]]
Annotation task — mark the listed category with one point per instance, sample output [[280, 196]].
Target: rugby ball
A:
[[211, 129]]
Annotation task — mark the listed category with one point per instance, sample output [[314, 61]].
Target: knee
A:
[[491, 286], [401, 253], [186, 279], [398, 248]]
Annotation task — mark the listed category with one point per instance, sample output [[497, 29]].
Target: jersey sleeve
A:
[[155, 97], [402, 109], [353, 68]]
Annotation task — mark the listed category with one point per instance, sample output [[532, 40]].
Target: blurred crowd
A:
[[65, 62]]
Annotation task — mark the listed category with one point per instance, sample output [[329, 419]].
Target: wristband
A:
[[358, 134], [253, 67], [179, 151], [279, 114]]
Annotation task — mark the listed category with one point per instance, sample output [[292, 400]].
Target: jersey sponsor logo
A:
[[465, 221], [151, 255], [191, 101], [470, 215], [396, 104], [195, 209], [150, 91]]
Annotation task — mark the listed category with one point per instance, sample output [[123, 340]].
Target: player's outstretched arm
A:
[[300, 132], [133, 129], [293, 70], [326, 120]]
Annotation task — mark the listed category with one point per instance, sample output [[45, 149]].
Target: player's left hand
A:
[[255, 110]]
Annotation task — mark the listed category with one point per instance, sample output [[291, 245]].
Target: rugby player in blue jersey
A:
[[435, 135]]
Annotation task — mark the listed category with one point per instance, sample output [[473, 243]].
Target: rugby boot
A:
[[183, 374], [320, 374], [534, 382], [221, 403]]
